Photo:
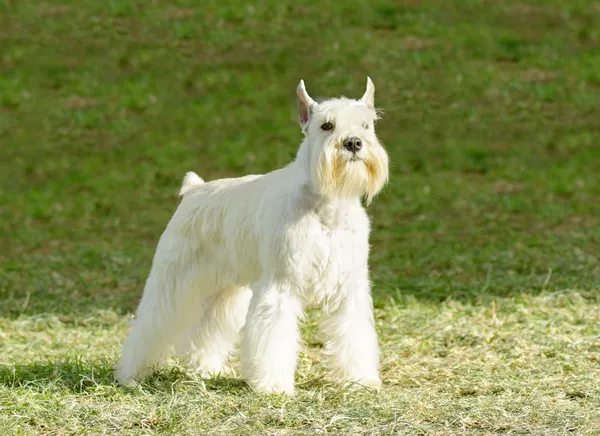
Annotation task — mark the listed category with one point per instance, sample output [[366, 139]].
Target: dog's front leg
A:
[[351, 348], [270, 338]]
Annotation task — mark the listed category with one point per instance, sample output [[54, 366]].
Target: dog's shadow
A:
[[78, 376]]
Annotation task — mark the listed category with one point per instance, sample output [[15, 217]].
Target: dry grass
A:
[[526, 365]]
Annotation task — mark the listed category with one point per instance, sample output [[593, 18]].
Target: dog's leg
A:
[[164, 310], [270, 338], [212, 337], [351, 348]]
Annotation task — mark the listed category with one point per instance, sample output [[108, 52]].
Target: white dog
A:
[[248, 254]]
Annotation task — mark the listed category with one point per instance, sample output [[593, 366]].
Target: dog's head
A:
[[344, 155]]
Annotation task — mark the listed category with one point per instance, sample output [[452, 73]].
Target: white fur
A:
[[248, 254], [190, 180]]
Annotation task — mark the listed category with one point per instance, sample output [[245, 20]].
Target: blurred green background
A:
[[492, 123]]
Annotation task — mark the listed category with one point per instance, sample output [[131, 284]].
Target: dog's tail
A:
[[190, 181]]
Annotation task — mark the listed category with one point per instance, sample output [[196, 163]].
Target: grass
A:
[[484, 248]]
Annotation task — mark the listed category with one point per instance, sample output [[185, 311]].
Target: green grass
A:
[[485, 245]]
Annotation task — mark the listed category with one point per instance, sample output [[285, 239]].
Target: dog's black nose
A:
[[353, 144]]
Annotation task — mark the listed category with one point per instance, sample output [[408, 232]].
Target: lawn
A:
[[485, 244]]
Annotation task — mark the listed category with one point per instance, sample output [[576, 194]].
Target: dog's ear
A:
[[369, 97], [304, 103]]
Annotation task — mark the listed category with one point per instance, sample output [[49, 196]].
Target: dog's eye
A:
[[365, 126], [327, 126]]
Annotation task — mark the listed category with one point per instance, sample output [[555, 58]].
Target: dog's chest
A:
[[333, 247]]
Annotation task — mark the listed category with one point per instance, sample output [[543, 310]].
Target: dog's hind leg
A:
[[212, 336], [165, 309]]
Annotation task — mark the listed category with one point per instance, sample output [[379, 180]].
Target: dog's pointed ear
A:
[[305, 103], [369, 97]]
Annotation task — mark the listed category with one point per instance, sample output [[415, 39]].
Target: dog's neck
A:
[[302, 160], [332, 211]]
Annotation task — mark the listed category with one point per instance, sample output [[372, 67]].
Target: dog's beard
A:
[[344, 174]]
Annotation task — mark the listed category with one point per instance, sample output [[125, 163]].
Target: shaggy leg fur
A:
[[159, 320], [350, 339], [210, 341], [270, 339], [165, 310]]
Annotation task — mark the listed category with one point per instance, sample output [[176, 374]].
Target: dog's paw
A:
[[373, 383], [273, 388], [209, 369], [221, 371], [130, 379]]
